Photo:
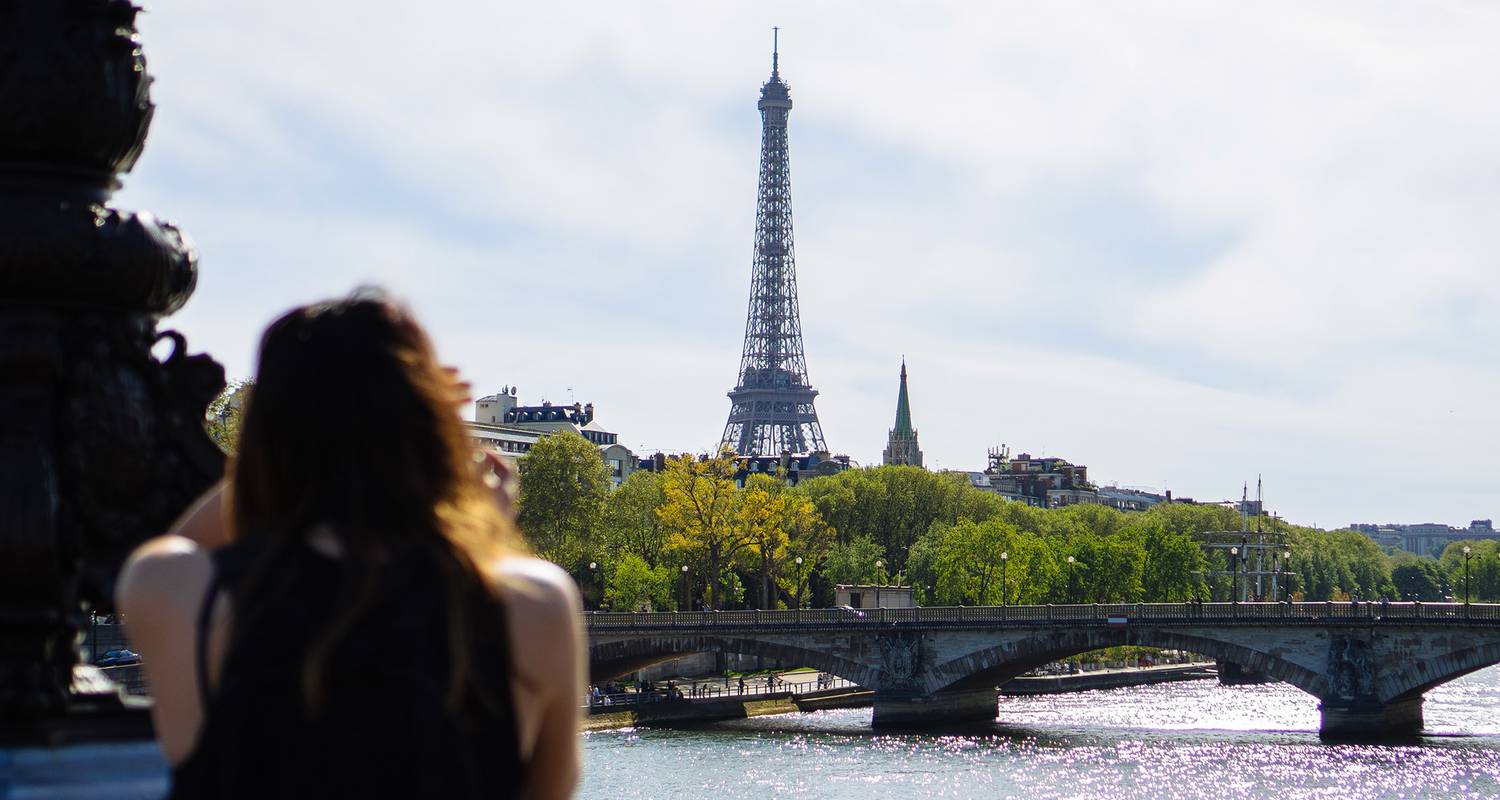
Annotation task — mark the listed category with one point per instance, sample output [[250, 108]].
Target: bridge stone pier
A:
[[1368, 664]]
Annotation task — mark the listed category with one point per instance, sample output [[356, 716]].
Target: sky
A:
[[1184, 244]]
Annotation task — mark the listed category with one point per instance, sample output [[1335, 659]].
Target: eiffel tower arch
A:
[[771, 408]]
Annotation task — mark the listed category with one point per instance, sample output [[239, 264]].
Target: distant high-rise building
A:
[[771, 408], [901, 446]]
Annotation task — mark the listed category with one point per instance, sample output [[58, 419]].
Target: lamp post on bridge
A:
[[1071, 562], [1286, 576], [1468, 553], [800, 579], [879, 579], [1004, 597], [1234, 575], [687, 591]]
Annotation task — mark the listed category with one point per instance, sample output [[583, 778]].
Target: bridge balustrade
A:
[[1053, 614]]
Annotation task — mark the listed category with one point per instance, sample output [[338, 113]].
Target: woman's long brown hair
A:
[[351, 427]]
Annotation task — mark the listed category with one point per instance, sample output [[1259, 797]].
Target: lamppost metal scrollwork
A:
[[101, 442]]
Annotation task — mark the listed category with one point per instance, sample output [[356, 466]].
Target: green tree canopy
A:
[[1484, 570], [563, 486], [631, 524], [1419, 578], [854, 562], [701, 513], [635, 585]]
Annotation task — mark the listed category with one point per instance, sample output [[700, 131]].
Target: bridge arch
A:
[[1414, 677], [611, 659], [994, 665]]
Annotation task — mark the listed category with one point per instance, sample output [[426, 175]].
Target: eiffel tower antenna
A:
[[775, 54], [771, 408]]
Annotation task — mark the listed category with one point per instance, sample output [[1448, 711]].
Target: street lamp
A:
[[879, 579], [594, 579], [799, 583], [1234, 575], [1468, 553], [687, 592], [1004, 557], [1071, 562], [1286, 576], [1245, 565]]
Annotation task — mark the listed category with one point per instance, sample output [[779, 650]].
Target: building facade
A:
[[1425, 538], [791, 467], [1043, 482], [873, 596], [505, 426], [901, 446]]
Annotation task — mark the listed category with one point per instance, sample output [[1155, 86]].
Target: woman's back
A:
[[382, 724], [375, 589]]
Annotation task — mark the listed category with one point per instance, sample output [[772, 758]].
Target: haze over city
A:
[[1181, 247]]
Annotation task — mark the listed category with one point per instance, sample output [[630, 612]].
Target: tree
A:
[[1330, 565], [631, 524], [968, 565], [563, 486], [809, 538], [1419, 578], [763, 519], [891, 505], [700, 513], [853, 561], [222, 418], [635, 585], [1484, 569], [1173, 561]]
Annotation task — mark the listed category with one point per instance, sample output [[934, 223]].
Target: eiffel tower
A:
[[771, 409]]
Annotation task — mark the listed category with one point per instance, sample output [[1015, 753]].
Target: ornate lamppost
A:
[[687, 591], [101, 441], [800, 578], [1071, 562], [1234, 575], [879, 579], [1286, 576], [1004, 598], [594, 581], [1468, 554]]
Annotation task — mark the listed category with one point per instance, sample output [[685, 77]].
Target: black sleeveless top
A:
[[383, 728]]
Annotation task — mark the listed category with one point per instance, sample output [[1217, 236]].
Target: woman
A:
[[352, 613]]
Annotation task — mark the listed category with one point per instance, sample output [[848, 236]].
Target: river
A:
[[1175, 740]]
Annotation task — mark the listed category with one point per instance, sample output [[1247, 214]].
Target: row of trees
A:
[[691, 537]]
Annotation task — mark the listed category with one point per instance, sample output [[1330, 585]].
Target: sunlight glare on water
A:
[[1177, 740]]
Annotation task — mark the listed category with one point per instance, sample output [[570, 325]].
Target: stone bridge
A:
[[1368, 664]]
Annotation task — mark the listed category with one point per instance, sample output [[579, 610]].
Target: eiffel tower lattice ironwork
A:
[[771, 409]]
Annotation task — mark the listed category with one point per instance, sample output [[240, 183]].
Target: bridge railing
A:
[[1108, 613]]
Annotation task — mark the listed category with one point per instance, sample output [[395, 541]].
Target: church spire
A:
[[901, 446], [903, 406]]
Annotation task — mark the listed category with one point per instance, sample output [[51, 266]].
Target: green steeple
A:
[[901, 447], [903, 408]]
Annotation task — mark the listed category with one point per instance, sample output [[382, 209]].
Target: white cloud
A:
[[1182, 245]]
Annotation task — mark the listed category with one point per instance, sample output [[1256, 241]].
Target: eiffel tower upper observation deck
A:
[[771, 408]]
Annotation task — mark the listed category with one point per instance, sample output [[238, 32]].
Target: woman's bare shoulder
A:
[[164, 572], [539, 586]]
